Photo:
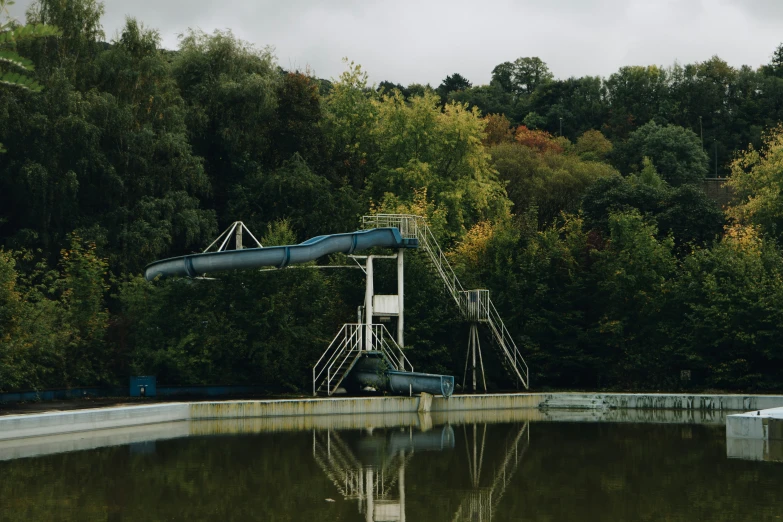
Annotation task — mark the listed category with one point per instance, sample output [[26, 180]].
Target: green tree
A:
[[15, 71], [592, 145], [729, 312], [230, 91], [675, 151], [452, 83], [349, 117], [549, 182], [686, 212], [636, 95], [529, 73], [632, 275], [757, 181], [421, 146], [80, 40]]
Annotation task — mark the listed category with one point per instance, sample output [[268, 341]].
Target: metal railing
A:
[[502, 336], [340, 356], [474, 305], [383, 342]]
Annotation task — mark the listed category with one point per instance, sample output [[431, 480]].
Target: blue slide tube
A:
[[280, 256]]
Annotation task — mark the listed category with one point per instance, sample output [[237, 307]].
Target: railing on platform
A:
[[474, 305]]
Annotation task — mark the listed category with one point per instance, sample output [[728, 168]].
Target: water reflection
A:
[[355, 469], [479, 504], [370, 469], [38, 446]]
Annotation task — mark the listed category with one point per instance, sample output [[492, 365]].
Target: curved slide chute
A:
[[280, 256]]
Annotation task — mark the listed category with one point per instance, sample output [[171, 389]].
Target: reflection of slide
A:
[[279, 256]]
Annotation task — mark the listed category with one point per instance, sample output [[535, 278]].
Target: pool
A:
[[485, 467]]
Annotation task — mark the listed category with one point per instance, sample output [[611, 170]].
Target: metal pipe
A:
[[368, 293], [400, 296]]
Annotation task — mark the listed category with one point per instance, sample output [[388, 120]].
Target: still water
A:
[[399, 470]]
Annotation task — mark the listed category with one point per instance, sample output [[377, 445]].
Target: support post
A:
[[473, 343], [400, 295], [238, 235], [368, 293]]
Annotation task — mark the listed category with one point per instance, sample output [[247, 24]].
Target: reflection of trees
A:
[[574, 471]]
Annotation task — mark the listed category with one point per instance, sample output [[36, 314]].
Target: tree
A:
[[423, 146], [729, 302], [685, 212], [349, 117], [79, 43], [538, 140], [529, 73], [452, 83], [775, 66], [503, 76], [16, 71], [229, 87], [546, 181], [636, 95], [497, 130], [489, 99], [632, 275], [675, 151], [580, 102], [757, 181], [592, 145]]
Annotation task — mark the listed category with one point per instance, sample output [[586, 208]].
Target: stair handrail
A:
[[385, 343], [411, 225], [347, 336], [507, 343], [349, 347]]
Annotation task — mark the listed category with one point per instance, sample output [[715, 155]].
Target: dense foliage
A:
[[577, 202]]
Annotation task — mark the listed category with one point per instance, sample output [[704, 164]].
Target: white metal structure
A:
[[346, 349], [354, 338], [235, 229], [475, 305]]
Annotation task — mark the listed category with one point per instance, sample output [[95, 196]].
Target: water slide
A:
[[195, 265]]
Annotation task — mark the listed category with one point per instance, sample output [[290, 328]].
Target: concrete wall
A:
[[301, 412], [86, 440], [33, 425], [671, 401], [299, 407], [762, 424], [148, 433]]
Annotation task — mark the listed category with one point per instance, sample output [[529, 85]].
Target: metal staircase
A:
[[474, 305], [345, 350]]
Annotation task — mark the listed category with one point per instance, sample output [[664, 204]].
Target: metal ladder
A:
[[474, 305], [346, 348]]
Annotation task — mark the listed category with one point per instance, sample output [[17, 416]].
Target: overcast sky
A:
[[422, 41]]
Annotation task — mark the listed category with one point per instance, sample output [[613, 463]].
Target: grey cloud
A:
[[422, 41]]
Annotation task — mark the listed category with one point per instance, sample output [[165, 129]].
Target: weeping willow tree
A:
[[15, 70]]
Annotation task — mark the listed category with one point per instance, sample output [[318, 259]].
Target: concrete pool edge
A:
[[53, 423]]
